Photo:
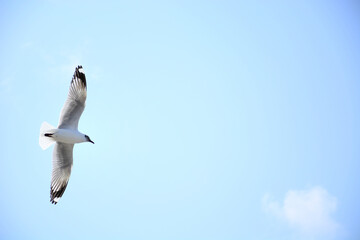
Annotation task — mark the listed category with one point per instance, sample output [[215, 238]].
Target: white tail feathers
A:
[[44, 141]]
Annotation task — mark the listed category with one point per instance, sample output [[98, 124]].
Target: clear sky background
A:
[[211, 119]]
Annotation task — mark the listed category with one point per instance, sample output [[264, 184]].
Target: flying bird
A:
[[65, 135]]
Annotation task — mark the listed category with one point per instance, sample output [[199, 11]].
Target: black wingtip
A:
[[57, 194], [79, 73]]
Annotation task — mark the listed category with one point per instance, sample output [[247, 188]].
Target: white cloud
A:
[[307, 211]]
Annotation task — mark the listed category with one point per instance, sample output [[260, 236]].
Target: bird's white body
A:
[[68, 136]]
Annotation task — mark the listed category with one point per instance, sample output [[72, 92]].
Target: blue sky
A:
[[211, 119]]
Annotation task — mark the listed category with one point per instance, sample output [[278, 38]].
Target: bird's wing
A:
[[75, 102], [61, 170]]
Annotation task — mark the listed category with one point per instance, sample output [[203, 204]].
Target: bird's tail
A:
[[45, 139]]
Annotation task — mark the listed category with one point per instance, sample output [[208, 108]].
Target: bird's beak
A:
[[91, 141]]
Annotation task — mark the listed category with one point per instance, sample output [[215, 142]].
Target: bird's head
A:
[[88, 139]]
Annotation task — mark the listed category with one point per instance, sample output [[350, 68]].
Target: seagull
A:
[[65, 135]]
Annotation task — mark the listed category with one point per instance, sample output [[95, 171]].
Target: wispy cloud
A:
[[72, 60], [307, 211], [5, 85], [27, 44]]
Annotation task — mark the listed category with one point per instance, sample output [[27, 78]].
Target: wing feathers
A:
[[75, 103], [62, 165]]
